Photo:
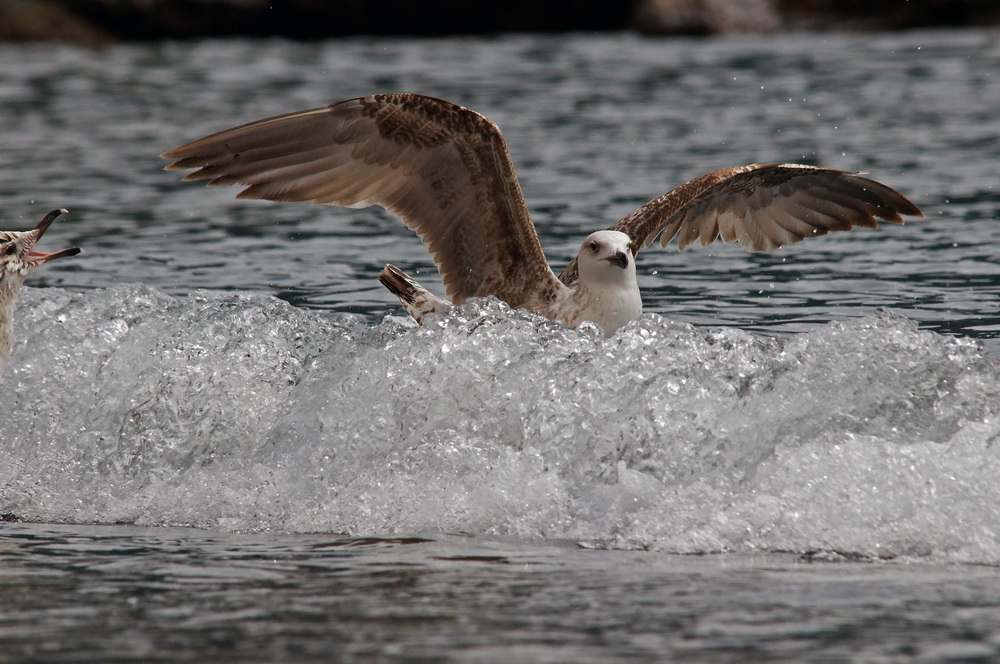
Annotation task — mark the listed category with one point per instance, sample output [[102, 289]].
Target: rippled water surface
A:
[[167, 594], [790, 457], [597, 126]]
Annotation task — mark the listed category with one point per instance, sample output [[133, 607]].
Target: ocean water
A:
[[224, 442]]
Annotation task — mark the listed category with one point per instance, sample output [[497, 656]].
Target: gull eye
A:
[[594, 247], [10, 250]]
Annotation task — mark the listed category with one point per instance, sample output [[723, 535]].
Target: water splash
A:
[[241, 412]]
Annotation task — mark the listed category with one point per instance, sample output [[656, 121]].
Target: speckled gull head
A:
[[446, 172], [18, 259]]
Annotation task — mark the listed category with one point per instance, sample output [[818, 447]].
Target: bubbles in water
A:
[[241, 412]]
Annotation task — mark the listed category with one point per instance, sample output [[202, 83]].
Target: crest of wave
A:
[[241, 412]]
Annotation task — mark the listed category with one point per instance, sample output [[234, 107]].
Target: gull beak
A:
[[42, 257], [43, 225], [620, 258]]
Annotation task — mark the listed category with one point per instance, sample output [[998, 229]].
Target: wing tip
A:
[[397, 282], [248, 194]]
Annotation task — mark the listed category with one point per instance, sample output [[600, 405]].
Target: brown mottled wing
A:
[[442, 168], [763, 207]]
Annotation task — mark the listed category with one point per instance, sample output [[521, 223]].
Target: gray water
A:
[[790, 457], [169, 594]]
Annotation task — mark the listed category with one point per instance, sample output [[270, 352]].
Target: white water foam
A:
[[240, 412]]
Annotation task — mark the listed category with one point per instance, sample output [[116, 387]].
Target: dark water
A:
[[167, 594], [597, 126], [791, 457]]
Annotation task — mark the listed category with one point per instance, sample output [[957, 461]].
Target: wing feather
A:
[[443, 169], [761, 206]]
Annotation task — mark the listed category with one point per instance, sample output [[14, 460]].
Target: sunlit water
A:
[[495, 487]]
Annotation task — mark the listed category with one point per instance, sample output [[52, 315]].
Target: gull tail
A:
[[417, 300]]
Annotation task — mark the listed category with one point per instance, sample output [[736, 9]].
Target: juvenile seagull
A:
[[18, 259], [446, 172]]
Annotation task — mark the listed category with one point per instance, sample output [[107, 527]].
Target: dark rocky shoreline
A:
[[101, 21]]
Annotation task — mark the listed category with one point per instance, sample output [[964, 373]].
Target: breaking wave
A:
[[240, 412]]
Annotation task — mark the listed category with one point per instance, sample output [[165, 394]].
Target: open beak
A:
[[620, 258], [41, 256]]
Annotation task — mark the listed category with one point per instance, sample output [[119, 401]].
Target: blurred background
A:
[[102, 21]]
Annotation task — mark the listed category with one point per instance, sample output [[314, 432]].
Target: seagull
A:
[[445, 171], [18, 259]]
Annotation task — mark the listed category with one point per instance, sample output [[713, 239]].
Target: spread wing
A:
[[443, 169], [763, 207]]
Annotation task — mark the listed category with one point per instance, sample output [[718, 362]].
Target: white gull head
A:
[[607, 290]]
